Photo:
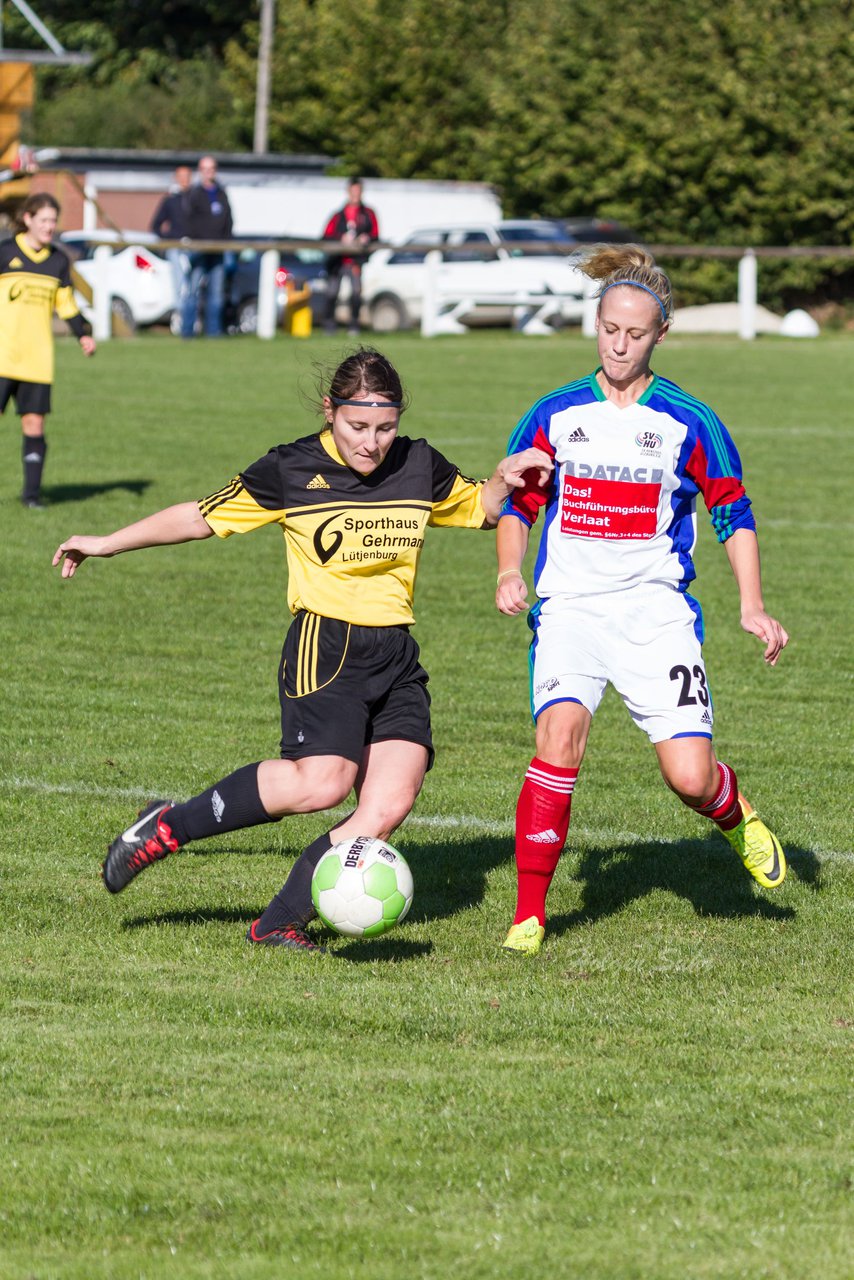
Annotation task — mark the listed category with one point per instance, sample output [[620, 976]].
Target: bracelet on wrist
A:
[[506, 573]]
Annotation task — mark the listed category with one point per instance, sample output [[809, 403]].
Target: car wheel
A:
[[247, 316], [388, 314], [122, 314]]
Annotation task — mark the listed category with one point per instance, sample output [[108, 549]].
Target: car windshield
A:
[[535, 239], [405, 256], [596, 232], [534, 231]]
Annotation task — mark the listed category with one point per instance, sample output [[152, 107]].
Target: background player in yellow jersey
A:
[[35, 281], [353, 502]]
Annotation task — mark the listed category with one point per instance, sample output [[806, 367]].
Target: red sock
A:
[[542, 821], [725, 808]]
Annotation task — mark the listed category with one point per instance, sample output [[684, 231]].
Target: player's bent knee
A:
[[561, 736], [695, 786], [565, 752], [326, 793], [304, 786]]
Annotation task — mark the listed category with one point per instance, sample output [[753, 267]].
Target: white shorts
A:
[[646, 641]]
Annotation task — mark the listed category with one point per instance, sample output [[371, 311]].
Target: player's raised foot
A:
[[758, 848], [290, 936], [148, 840], [525, 938]]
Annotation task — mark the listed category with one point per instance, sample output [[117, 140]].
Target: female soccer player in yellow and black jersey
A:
[[35, 281], [353, 502]]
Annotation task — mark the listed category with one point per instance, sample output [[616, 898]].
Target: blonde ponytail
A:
[[630, 264]]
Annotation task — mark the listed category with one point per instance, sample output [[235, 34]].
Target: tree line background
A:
[[727, 123]]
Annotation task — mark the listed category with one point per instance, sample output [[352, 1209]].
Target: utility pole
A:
[[262, 90]]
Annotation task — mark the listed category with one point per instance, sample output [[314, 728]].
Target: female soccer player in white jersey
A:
[[353, 502], [631, 452]]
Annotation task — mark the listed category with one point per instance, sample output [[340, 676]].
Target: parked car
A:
[[494, 260], [526, 238], [597, 231], [143, 287], [297, 267], [140, 279]]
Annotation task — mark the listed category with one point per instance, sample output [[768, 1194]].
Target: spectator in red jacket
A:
[[356, 224]]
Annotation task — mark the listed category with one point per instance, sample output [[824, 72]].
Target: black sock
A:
[[293, 904], [33, 450], [232, 804]]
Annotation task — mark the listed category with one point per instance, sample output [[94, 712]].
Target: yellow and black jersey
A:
[[33, 284], [352, 542]]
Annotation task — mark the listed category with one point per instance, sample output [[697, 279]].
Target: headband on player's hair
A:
[[636, 284], [370, 404]]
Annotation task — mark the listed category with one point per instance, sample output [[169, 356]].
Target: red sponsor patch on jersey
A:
[[608, 508]]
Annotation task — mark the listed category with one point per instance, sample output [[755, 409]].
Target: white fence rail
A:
[[444, 309]]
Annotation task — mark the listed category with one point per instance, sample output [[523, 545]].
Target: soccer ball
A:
[[362, 887]]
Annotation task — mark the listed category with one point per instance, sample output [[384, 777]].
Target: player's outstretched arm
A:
[[181, 523], [510, 475], [743, 552], [511, 593]]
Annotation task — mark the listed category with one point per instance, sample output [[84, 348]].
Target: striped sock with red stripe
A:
[[542, 821], [724, 808]]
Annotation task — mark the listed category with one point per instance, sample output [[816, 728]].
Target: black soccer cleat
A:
[[148, 840], [291, 936]]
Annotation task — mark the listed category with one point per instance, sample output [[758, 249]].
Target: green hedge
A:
[[730, 124]]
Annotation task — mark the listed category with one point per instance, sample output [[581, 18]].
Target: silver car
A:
[[490, 263]]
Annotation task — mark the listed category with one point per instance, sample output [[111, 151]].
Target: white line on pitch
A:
[[77, 789], [435, 822]]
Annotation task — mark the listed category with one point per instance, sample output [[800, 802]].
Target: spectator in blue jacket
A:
[[208, 217]]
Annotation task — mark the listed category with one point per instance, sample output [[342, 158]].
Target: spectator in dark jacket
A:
[[208, 217], [170, 223], [356, 224], [170, 216]]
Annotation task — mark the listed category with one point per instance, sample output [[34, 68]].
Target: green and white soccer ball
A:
[[362, 887]]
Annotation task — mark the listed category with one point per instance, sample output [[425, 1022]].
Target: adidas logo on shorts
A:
[[705, 718]]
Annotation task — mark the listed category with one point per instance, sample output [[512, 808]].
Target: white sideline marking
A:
[[431, 821], [436, 822], [75, 788], [506, 828]]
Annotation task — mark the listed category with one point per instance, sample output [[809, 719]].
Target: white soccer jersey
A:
[[620, 508]]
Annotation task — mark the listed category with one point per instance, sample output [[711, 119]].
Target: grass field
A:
[[664, 1093]]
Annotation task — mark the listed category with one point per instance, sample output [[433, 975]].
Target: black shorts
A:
[[30, 397], [343, 687]]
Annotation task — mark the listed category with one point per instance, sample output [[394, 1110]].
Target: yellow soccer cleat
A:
[[758, 848], [525, 938], [746, 807]]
